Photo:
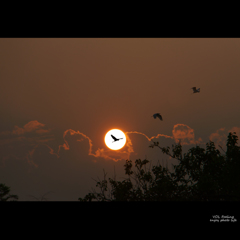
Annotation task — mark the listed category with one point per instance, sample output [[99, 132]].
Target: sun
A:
[[115, 139]]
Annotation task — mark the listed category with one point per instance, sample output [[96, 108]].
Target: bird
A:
[[115, 139], [157, 115], [195, 90]]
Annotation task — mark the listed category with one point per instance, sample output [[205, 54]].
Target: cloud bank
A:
[[22, 143]]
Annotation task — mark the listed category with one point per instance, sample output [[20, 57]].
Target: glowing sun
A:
[[115, 139]]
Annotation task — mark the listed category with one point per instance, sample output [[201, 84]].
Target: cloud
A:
[[150, 138], [105, 153], [33, 135], [21, 143], [29, 127], [236, 130], [220, 136], [185, 134], [180, 131]]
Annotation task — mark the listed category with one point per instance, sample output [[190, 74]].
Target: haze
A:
[[59, 97]]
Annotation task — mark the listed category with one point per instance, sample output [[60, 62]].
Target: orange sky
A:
[[59, 97]]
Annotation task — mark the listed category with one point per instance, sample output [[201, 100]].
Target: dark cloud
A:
[[21, 143]]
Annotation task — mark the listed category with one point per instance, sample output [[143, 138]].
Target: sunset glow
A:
[[73, 107]]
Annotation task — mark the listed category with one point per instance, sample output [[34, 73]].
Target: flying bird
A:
[[195, 90], [157, 115], [115, 139]]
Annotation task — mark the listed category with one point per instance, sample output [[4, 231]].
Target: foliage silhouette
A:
[[4, 194], [201, 175]]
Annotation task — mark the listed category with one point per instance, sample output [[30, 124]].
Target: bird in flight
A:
[[157, 115], [195, 90], [115, 139]]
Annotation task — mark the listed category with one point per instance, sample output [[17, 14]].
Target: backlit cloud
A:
[[185, 134], [220, 136], [34, 135], [180, 131], [100, 152]]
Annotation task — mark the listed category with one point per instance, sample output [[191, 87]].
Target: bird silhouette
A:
[[115, 139], [157, 115], [195, 90]]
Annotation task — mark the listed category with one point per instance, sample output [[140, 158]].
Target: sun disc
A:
[[115, 139]]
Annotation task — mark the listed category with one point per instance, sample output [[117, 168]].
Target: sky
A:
[[60, 96]]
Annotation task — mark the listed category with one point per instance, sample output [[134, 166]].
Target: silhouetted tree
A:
[[4, 193], [201, 175]]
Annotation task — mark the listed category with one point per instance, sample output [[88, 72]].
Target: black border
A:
[[180, 213]]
